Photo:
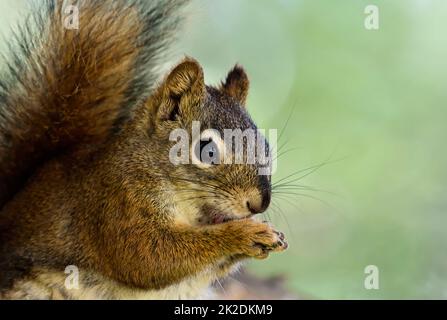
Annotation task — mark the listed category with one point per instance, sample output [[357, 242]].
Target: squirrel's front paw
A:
[[258, 239]]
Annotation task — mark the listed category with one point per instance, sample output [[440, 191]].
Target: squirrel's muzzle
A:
[[260, 202]]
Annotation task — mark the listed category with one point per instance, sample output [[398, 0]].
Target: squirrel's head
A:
[[203, 148]]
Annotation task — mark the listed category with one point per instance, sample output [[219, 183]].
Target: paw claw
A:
[[259, 239]]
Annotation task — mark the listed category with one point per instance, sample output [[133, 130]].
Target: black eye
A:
[[209, 152]]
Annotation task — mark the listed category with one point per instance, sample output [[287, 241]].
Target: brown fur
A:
[[112, 203], [237, 84]]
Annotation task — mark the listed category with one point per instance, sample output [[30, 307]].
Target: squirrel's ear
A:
[[183, 87], [236, 85]]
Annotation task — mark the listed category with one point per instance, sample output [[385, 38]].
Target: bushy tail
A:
[[63, 86]]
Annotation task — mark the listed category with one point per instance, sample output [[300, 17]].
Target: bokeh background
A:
[[364, 115]]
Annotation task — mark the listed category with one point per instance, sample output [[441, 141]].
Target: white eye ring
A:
[[203, 150]]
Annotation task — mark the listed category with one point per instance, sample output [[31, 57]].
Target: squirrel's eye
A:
[[209, 152]]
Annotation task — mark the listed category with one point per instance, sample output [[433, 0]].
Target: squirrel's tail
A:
[[74, 74]]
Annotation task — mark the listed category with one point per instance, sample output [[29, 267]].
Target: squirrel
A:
[[85, 175]]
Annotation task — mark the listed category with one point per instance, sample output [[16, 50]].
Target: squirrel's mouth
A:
[[211, 215]]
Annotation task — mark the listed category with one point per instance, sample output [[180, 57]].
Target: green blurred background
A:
[[367, 109]]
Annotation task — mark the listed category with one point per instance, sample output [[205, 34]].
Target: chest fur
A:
[[50, 284]]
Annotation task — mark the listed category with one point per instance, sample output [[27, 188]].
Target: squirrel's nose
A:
[[260, 203]]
